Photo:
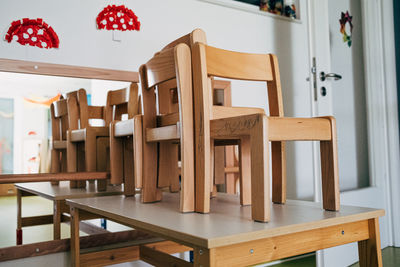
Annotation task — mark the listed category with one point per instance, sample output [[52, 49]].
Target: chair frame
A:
[[256, 128]]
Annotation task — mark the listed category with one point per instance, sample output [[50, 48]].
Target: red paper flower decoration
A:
[[119, 18], [33, 32]]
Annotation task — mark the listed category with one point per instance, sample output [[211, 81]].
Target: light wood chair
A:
[[171, 63], [125, 138], [59, 127], [81, 133], [254, 129]]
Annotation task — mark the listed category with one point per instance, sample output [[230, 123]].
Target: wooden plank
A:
[[292, 129], [75, 244], [219, 112], [161, 259], [283, 246], [36, 220], [330, 170], [166, 133], [86, 242], [224, 64], [47, 177], [202, 114], [109, 257], [21, 66], [369, 250], [167, 119]]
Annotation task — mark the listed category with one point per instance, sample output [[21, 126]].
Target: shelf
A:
[[249, 8]]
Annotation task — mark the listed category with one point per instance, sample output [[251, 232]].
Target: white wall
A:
[[163, 21]]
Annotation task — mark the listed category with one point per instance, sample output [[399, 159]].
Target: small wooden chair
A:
[[59, 127], [82, 133], [254, 129], [171, 63], [125, 138]]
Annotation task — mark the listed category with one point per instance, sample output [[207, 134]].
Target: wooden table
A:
[[228, 237], [58, 194]]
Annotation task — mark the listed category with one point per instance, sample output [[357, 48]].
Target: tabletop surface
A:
[[227, 223], [63, 191]]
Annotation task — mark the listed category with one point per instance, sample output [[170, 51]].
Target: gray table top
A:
[[63, 191], [227, 223]]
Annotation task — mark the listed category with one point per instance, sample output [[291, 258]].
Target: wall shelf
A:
[[249, 8]]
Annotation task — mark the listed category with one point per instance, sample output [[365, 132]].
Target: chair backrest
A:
[[79, 112], [59, 119], [167, 91], [122, 101], [211, 62], [169, 64]]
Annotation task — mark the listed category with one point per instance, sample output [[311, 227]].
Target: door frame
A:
[[381, 94]]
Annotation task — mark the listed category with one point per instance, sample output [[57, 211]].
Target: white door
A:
[[344, 87]]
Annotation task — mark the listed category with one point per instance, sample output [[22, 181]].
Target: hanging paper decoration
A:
[[33, 32], [346, 18], [118, 18], [46, 102]]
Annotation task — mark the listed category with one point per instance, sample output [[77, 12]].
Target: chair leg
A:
[[187, 196], [230, 183], [129, 181], [102, 144], [203, 171], [213, 189], [168, 173], [245, 171], [116, 161], [219, 165], [55, 163], [150, 191], [71, 158], [278, 171], [330, 171], [260, 191]]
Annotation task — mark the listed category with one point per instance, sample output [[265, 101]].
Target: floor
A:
[[36, 206]]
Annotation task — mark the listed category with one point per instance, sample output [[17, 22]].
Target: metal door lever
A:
[[323, 76]]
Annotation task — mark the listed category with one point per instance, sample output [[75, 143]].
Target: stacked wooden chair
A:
[[254, 129], [125, 138], [59, 127], [82, 134], [171, 63]]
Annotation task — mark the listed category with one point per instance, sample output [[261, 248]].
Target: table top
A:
[[228, 223], [63, 191]]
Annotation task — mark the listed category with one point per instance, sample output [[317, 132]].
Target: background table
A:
[[228, 237], [58, 194]]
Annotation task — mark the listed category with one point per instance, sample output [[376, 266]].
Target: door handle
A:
[[323, 76]]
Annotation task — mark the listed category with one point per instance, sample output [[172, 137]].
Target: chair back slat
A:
[[73, 110], [60, 108], [229, 64], [160, 68], [122, 101]]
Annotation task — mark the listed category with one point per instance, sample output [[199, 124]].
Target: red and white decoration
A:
[[33, 32], [118, 18]]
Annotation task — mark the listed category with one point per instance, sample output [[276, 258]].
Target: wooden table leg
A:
[[57, 219], [204, 257], [369, 251], [19, 217], [75, 246]]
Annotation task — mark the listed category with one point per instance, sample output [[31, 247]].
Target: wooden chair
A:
[[125, 138], [254, 129], [171, 63], [59, 127], [81, 133]]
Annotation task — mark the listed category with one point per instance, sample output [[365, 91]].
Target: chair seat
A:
[[59, 144], [123, 128], [80, 134]]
